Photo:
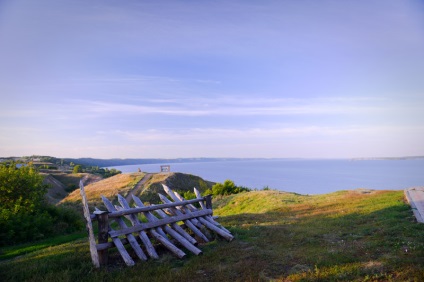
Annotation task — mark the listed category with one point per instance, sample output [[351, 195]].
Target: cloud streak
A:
[[238, 107]]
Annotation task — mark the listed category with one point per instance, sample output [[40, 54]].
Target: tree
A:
[[77, 169], [21, 189], [24, 214]]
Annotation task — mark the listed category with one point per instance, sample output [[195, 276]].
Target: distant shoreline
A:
[[140, 161], [388, 158]]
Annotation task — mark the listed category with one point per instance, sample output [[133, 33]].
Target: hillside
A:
[[125, 183], [180, 182], [61, 183], [358, 235]]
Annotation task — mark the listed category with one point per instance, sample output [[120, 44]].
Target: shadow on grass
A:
[[333, 246], [284, 245]]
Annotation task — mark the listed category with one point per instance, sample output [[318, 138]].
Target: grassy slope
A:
[[109, 187], [347, 235], [60, 183], [123, 183], [175, 181]]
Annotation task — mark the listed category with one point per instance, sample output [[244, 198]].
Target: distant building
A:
[[165, 168]]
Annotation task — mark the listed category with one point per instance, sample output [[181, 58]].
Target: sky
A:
[[245, 79]]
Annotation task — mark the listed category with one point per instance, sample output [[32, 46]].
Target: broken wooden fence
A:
[[160, 223]]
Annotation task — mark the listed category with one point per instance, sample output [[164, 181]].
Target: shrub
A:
[[226, 188], [24, 214], [77, 169]]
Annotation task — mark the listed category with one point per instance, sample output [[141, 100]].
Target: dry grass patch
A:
[[109, 187]]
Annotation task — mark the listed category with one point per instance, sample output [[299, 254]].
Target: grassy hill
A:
[[124, 183], [180, 182], [355, 235], [61, 183], [109, 187]]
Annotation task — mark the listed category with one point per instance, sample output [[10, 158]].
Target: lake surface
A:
[[303, 176]]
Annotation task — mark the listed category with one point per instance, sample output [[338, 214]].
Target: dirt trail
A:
[[138, 186], [56, 191], [90, 178]]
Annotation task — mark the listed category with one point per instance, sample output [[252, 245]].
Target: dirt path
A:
[[138, 186]]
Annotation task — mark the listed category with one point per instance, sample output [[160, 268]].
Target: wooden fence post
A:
[[91, 239], [208, 201], [103, 221]]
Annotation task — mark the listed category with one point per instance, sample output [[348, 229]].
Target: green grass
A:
[[342, 236], [22, 249]]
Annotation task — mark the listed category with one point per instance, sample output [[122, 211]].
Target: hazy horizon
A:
[[213, 79], [223, 158]]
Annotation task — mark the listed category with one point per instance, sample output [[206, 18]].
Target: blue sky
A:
[[168, 79]]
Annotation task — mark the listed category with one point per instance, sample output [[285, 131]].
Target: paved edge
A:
[[416, 202]]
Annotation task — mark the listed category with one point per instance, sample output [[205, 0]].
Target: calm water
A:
[[304, 176]]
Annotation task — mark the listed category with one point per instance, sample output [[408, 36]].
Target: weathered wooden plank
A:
[[165, 242], [180, 209], [91, 239], [208, 218], [163, 239], [177, 228], [142, 234], [154, 224], [133, 242], [121, 249], [189, 246], [216, 229], [170, 193], [189, 223], [148, 215], [184, 208], [208, 224], [199, 196], [147, 209], [124, 254], [103, 236]]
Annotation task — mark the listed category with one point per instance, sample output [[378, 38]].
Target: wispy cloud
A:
[[238, 106], [248, 135]]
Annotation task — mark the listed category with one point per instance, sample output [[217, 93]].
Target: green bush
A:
[[77, 169], [46, 222], [188, 195], [24, 213], [226, 188]]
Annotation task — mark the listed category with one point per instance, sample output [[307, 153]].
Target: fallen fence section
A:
[[144, 223]]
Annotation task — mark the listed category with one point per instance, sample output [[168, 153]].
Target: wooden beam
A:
[[103, 236], [133, 242], [142, 234], [203, 220], [91, 239], [151, 208], [189, 223], [163, 239], [153, 224]]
